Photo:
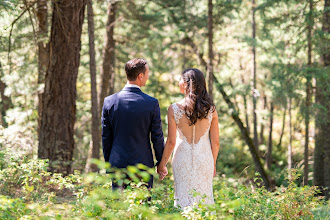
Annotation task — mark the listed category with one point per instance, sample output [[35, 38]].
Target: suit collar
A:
[[131, 89]]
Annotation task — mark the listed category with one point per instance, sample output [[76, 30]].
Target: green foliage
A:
[[29, 179], [12, 208], [290, 202], [40, 194]]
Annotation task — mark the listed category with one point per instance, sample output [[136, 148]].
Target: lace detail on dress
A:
[[192, 162], [210, 115], [178, 113]]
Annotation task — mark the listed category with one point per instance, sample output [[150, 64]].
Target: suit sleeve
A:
[[157, 137], [107, 134]]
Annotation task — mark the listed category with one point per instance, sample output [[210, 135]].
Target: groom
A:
[[129, 119]]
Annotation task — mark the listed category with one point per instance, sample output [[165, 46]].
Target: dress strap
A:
[[178, 113], [210, 115]]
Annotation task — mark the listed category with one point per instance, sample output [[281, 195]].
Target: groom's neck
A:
[[134, 83]]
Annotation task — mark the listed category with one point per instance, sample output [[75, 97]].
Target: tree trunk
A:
[[326, 102], [245, 108], [270, 144], [290, 140], [56, 141], [308, 91], [43, 53], [5, 103], [211, 56], [322, 131], [95, 151], [262, 127], [184, 57], [282, 130], [255, 92], [245, 135], [108, 67], [322, 119]]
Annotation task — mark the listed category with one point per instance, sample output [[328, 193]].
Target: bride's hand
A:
[[162, 171]]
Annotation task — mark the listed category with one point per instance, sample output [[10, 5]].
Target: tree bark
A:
[[108, 66], [246, 109], [211, 55], [262, 127], [255, 92], [322, 118], [308, 90], [95, 146], [290, 139], [43, 53], [282, 130], [326, 102], [56, 141], [5, 103], [184, 56], [270, 142]]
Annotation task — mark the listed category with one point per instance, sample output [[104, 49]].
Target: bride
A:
[[197, 145]]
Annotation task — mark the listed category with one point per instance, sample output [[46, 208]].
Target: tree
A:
[[283, 127], [6, 102], [245, 107], [108, 66], [255, 92], [56, 141], [210, 41], [290, 139], [322, 118], [308, 89], [42, 12], [269, 157], [94, 151]]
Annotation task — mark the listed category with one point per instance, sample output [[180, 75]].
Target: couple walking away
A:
[[130, 118]]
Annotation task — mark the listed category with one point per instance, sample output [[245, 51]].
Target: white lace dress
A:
[[192, 162]]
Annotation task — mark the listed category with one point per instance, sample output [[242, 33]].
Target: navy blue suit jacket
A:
[[129, 119]]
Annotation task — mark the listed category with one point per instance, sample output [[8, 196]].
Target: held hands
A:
[[162, 171]]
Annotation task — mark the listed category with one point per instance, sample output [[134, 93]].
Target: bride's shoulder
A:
[[177, 105]]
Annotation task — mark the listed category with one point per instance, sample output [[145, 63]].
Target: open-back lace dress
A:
[[192, 161]]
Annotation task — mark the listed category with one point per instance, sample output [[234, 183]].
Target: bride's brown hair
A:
[[198, 102]]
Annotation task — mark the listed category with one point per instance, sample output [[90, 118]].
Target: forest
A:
[[266, 64]]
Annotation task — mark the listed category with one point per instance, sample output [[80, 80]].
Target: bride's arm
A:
[[214, 136], [171, 138]]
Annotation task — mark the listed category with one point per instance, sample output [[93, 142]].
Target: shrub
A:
[[28, 190]]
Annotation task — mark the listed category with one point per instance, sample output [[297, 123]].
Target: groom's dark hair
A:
[[134, 67]]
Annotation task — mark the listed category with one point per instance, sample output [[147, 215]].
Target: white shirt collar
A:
[[132, 85]]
